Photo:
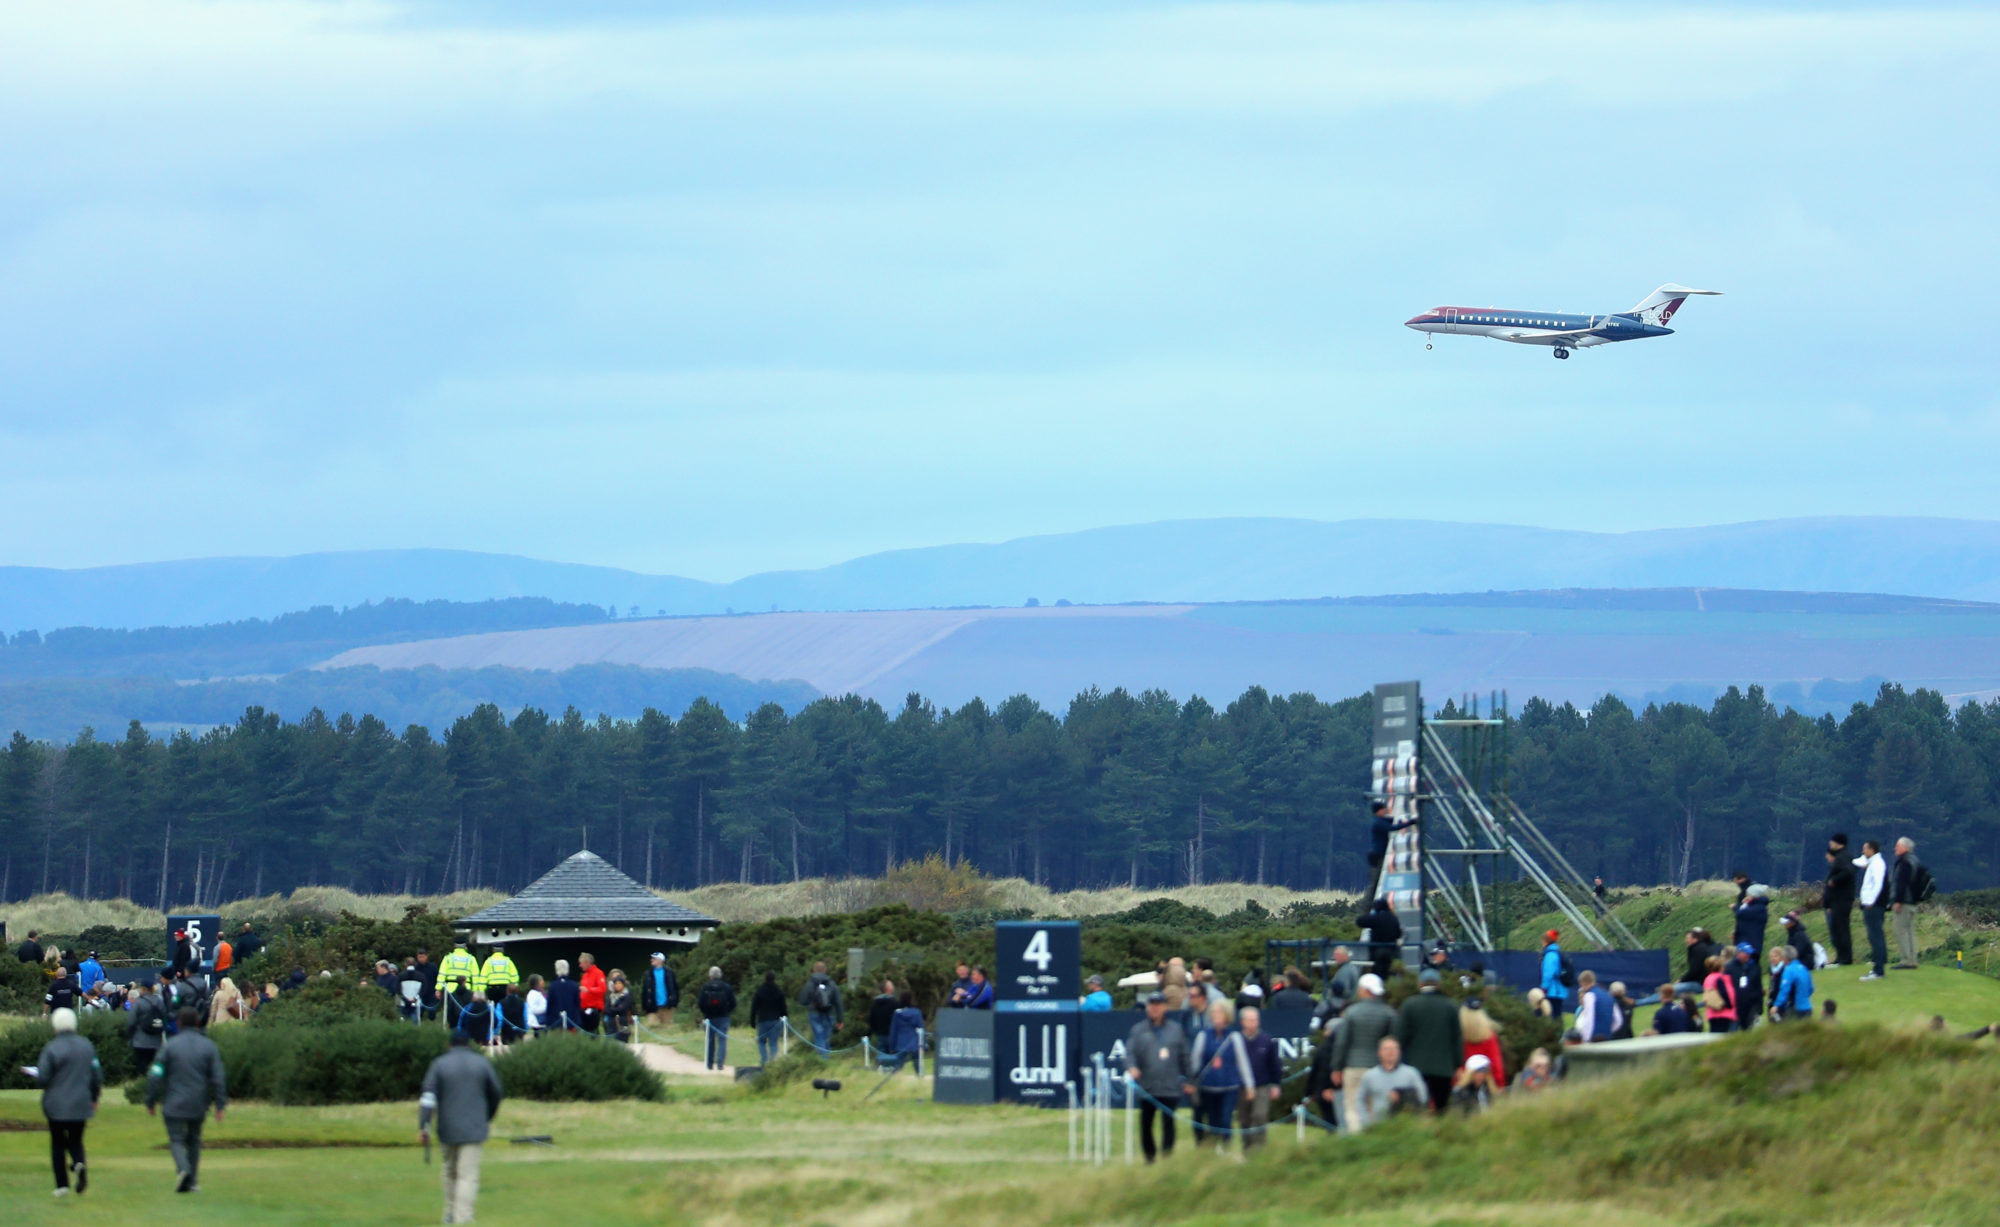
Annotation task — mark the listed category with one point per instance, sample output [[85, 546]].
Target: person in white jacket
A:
[[1874, 900]]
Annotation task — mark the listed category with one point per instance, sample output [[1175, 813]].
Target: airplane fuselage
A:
[[1530, 327]]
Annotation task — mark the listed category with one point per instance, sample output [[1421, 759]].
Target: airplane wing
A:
[[1545, 336]]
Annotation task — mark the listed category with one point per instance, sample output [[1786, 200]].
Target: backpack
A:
[[1923, 887], [823, 996], [1565, 971], [710, 999]]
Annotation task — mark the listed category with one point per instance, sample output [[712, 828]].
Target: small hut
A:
[[586, 904]]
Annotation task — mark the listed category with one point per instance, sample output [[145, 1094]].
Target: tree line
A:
[[1119, 788]]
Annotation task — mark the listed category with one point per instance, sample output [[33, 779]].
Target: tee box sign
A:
[[1038, 961]]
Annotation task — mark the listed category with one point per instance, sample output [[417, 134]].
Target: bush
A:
[[323, 1002], [562, 1065], [21, 1044], [115, 944], [930, 885], [801, 1064], [362, 1061], [21, 985]]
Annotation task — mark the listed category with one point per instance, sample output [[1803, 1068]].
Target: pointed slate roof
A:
[[585, 890]]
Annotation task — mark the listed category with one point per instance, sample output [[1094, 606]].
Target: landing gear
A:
[[1427, 340], [1561, 352]]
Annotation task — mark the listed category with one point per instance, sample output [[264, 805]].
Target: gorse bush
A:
[[21, 1044], [561, 1066], [323, 1002], [21, 985], [358, 1061]]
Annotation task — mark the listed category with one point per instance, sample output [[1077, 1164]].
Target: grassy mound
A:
[[1796, 1124]]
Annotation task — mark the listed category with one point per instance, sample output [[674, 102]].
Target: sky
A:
[[735, 287]]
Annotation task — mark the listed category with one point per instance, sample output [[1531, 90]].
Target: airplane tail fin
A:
[[1660, 305]]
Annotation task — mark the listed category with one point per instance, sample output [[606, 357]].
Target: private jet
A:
[[1559, 330]]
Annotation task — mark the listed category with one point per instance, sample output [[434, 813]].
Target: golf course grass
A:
[[1872, 1121]]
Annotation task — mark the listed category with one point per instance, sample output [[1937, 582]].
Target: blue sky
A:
[[754, 287]]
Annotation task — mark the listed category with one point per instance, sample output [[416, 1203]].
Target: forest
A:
[[1120, 788]]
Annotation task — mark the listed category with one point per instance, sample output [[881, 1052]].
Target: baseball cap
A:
[[1156, 996], [1097, 980], [1477, 1063], [1551, 935], [1428, 975], [1370, 983], [657, 955], [1251, 990], [1746, 947]]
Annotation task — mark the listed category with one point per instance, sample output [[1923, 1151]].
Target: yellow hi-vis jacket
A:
[[458, 963], [499, 970]]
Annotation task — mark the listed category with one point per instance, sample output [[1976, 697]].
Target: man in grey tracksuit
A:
[[72, 1083], [462, 1090], [1156, 1057], [184, 1080]]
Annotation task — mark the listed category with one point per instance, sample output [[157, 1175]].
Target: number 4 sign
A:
[[1038, 961]]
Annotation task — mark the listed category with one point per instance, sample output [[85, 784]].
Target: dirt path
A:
[[666, 1059]]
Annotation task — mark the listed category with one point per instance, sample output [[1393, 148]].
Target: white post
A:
[[1071, 1116], [1131, 1111], [1300, 1113]]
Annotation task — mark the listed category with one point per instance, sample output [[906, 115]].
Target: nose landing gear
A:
[[1561, 352]]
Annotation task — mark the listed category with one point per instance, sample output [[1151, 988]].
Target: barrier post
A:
[[1131, 1110], [1299, 1114], [1071, 1117]]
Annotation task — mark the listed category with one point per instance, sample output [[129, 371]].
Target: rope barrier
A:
[[827, 1051]]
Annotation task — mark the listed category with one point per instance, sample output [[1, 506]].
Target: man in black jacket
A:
[[1838, 900], [1384, 932], [1903, 902], [716, 1001], [1748, 981], [31, 950], [247, 944]]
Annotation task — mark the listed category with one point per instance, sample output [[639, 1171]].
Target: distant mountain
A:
[[1173, 561]]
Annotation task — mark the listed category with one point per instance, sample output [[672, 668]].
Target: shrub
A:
[[930, 885], [21, 985], [801, 1064], [21, 1044], [564, 1065], [323, 1002], [358, 1061], [113, 943]]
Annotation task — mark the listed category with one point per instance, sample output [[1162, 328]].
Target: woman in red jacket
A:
[[591, 996], [1482, 1039]]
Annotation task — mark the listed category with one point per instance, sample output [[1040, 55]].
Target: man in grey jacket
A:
[[462, 1090], [1362, 1027], [72, 1083], [146, 1030], [821, 998], [1156, 1056], [185, 1079], [1390, 1087]]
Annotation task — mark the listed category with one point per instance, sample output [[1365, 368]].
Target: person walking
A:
[[824, 1010], [183, 1083], [462, 1092], [768, 1010], [591, 988], [1837, 898], [1430, 1039], [1793, 997], [1385, 933], [1672, 1018], [1874, 900], [618, 1008], [72, 1082], [1906, 894], [1556, 975], [1158, 1056], [715, 1003], [1222, 1076], [661, 992], [1391, 1086], [146, 1028], [565, 999], [1267, 1077], [535, 1006], [1718, 996], [1363, 1026]]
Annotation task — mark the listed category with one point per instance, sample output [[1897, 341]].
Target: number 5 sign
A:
[[202, 934], [1038, 961]]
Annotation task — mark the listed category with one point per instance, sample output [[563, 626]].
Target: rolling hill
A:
[[1180, 561]]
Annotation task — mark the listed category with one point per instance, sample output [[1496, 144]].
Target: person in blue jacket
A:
[[981, 997], [1096, 1000], [1793, 996], [1552, 978], [89, 973]]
